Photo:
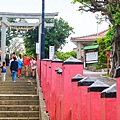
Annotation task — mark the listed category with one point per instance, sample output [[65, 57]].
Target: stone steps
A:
[[21, 88], [18, 97], [19, 118], [18, 92], [19, 113], [19, 100], [18, 83], [19, 107]]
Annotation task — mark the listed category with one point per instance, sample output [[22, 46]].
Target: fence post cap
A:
[[57, 60], [72, 60], [86, 81], [77, 78], [109, 92], [117, 72], [97, 86]]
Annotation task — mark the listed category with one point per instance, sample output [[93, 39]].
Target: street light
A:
[[42, 31]]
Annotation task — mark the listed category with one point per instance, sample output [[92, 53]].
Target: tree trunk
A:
[[115, 55]]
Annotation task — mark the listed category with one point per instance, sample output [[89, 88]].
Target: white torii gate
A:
[[23, 16]]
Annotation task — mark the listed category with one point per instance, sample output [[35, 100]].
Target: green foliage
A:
[[109, 37], [116, 14], [53, 36], [104, 44], [101, 53], [57, 35], [73, 54], [86, 1], [66, 55], [106, 75], [31, 38]]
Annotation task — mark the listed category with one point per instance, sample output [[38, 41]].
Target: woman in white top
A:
[[32, 67]]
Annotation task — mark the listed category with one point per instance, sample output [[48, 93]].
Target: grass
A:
[[106, 75]]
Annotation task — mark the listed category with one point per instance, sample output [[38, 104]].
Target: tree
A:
[[104, 44], [110, 10], [101, 56], [53, 36], [66, 55], [30, 40]]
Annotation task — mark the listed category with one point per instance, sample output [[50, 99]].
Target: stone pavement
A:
[[98, 76]]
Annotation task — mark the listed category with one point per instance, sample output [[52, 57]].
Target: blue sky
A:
[[83, 24]]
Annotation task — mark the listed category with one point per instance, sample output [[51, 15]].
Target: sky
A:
[[83, 24]]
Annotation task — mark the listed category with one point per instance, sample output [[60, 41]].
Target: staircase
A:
[[19, 100]]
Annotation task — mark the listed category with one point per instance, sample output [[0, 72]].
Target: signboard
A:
[[91, 57], [51, 52], [91, 53], [37, 48]]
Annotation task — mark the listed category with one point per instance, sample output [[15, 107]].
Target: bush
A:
[[66, 55]]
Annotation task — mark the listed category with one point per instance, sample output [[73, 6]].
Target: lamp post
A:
[[42, 31]]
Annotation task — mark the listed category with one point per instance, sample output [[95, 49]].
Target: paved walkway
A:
[[98, 76]]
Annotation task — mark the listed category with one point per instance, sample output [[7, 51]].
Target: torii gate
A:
[[22, 16]]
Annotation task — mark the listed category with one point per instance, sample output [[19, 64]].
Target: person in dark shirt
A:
[[14, 69], [7, 58]]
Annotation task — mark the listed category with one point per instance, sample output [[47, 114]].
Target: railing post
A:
[[74, 98], [70, 68], [83, 97], [108, 103], [94, 92], [55, 63]]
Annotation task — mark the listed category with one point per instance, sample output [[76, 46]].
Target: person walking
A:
[[20, 65], [32, 67], [26, 62], [3, 71], [20, 57], [0, 55], [14, 55], [14, 69], [7, 58], [10, 64]]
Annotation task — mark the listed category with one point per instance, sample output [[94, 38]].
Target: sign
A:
[[91, 54], [91, 57], [37, 48], [51, 52]]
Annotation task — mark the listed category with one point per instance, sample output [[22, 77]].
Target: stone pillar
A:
[[3, 38], [79, 48]]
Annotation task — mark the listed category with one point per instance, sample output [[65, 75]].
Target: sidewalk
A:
[[98, 76], [88, 73]]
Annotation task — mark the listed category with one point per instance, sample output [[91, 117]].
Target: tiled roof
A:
[[90, 37]]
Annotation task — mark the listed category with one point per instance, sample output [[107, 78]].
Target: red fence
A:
[[71, 96]]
